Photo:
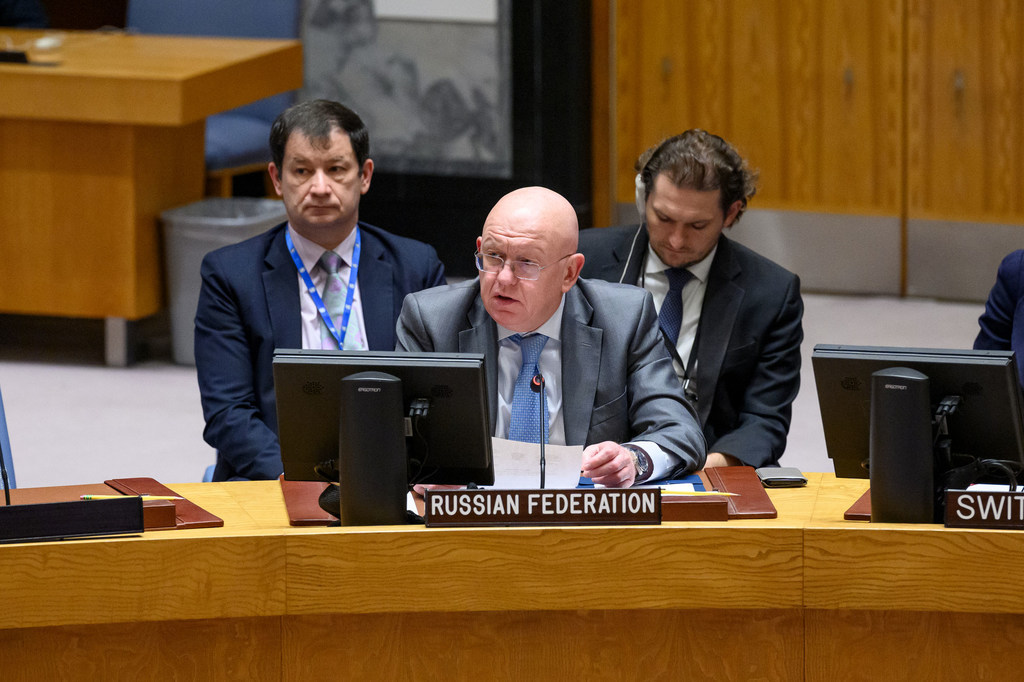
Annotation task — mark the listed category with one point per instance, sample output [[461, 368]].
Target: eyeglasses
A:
[[521, 269]]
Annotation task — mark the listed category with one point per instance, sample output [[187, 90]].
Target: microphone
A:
[[7, 485], [537, 386]]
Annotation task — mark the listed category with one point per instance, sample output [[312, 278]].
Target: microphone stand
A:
[[7, 485], [537, 386]]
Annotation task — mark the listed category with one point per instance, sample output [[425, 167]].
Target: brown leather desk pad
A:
[[301, 498], [187, 514], [751, 500], [156, 514], [861, 509]]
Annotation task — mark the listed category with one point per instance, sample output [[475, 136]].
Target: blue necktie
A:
[[524, 422], [671, 315]]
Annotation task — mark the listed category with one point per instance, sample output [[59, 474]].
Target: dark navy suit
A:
[[748, 357], [249, 305], [1002, 323]]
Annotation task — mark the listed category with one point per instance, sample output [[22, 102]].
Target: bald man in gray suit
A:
[[610, 384]]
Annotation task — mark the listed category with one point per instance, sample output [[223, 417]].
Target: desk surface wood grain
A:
[[146, 79]]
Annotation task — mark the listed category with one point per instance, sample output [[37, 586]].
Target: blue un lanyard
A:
[[315, 295]]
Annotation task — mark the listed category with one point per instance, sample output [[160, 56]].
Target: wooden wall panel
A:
[[810, 92], [964, 100], [860, 139], [670, 75]]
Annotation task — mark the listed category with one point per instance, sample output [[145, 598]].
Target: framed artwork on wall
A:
[[465, 100]]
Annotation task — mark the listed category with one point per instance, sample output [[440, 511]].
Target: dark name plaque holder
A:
[[568, 507], [60, 520], [985, 509]]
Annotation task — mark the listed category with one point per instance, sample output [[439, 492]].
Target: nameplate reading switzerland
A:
[[569, 507], [985, 509]]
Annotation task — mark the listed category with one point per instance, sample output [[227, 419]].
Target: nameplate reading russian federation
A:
[[569, 507], [985, 509]]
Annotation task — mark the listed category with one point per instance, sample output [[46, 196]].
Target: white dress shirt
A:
[[510, 360], [653, 278]]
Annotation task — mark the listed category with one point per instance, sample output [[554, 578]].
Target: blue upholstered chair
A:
[[5, 447], [236, 140]]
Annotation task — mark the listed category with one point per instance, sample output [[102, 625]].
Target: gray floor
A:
[[72, 420]]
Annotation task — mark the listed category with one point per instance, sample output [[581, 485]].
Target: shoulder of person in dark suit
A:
[[418, 259]]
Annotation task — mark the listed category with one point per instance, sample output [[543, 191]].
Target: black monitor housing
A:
[[385, 420], [973, 403]]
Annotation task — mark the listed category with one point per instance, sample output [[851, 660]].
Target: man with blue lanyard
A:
[[322, 280]]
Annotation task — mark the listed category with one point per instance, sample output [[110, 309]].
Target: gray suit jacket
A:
[[618, 380]]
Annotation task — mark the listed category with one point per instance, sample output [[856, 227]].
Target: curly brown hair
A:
[[703, 161]]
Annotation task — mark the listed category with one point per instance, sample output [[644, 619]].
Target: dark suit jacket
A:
[[748, 355], [1002, 323], [249, 305], [617, 376]]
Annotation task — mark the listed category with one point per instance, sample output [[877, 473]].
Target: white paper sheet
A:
[[517, 464]]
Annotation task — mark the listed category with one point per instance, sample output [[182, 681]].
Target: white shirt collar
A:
[[700, 269], [310, 252]]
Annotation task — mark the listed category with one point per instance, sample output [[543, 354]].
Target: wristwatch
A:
[[641, 461]]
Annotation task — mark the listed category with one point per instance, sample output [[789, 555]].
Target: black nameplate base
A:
[[985, 509], [568, 507], [13, 57], [59, 520]]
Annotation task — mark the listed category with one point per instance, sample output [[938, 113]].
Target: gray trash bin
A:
[[191, 232]]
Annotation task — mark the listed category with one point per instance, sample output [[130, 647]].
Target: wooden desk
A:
[[93, 149], [908, 602], [257, 599]]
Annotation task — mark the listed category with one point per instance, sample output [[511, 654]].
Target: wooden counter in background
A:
[[94, 148]]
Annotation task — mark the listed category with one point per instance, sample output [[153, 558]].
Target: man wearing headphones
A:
[[730, 317]]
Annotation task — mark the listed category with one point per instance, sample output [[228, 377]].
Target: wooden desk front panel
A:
[[533, 645], [916, 567], [110, 581], [912, 645], [693, 644], [551, 569], [242, 649], [926, 569]]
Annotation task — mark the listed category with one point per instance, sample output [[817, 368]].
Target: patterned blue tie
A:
[[335, 293], [671, 315], [524, 422]]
